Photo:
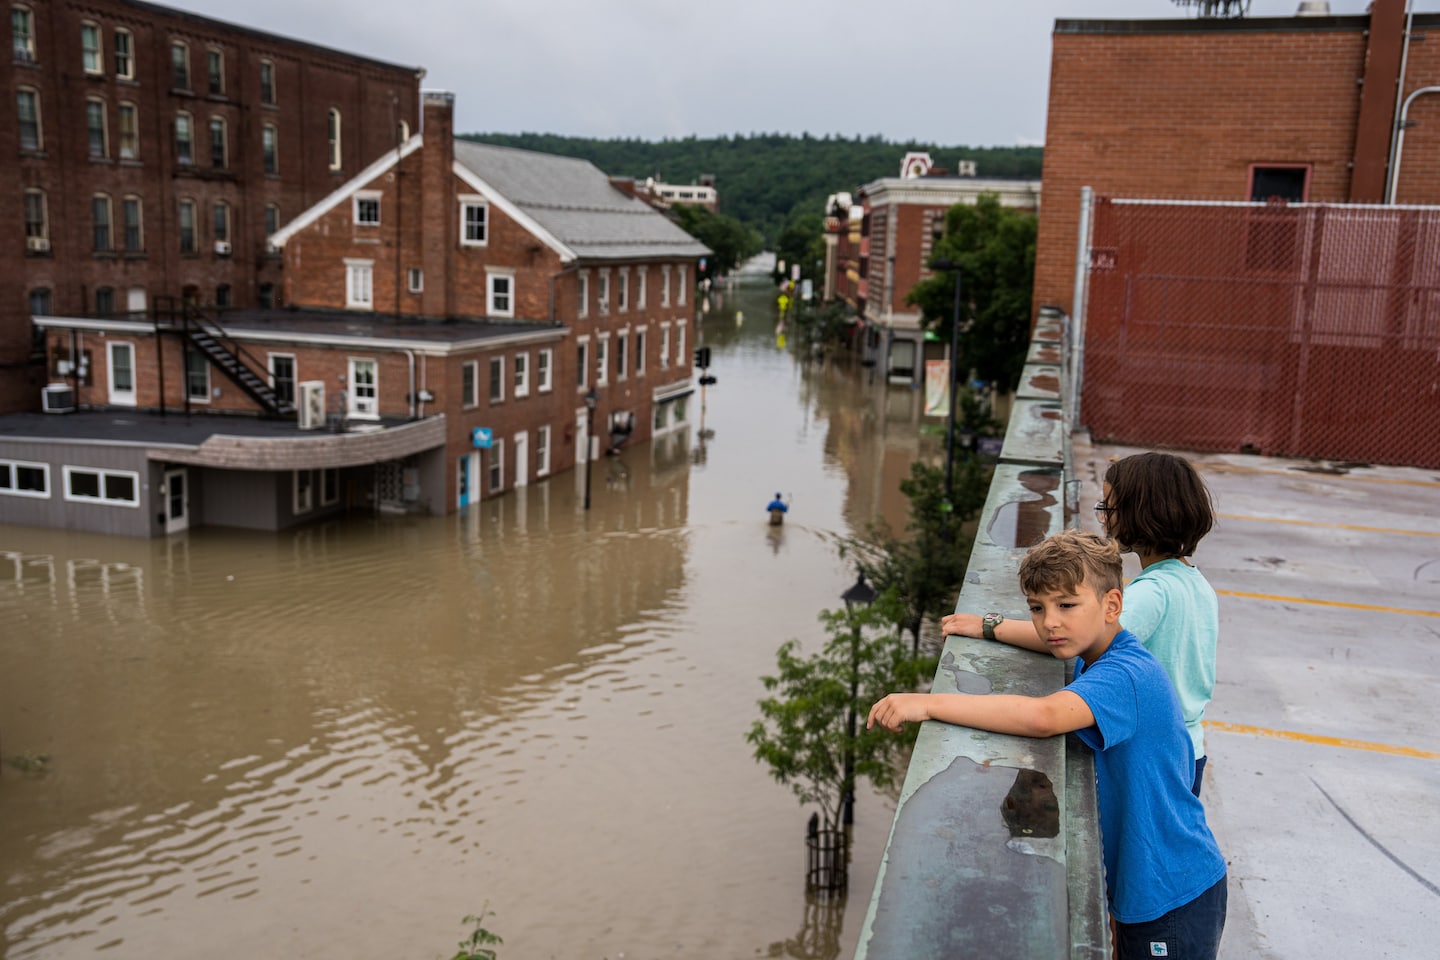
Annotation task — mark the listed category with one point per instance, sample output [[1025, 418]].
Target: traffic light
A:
[[702, 357]]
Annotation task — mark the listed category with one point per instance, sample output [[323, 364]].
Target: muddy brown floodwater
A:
[[337, 741]]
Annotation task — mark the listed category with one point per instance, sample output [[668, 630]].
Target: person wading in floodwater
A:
[[778, 509]]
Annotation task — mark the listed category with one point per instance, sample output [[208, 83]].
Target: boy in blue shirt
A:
[[1164, 874]]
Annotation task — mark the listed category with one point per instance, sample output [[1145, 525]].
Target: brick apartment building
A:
[[156, 150]]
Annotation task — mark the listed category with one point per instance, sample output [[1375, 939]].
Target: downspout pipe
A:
[[410, 356], [1395, 134], [1400, 124]]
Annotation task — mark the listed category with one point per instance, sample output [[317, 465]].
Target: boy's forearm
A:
[[1000, 713]]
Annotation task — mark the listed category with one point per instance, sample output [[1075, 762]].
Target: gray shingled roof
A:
[[574, 200]]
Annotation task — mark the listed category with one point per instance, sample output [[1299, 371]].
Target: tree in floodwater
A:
[[804, 732]]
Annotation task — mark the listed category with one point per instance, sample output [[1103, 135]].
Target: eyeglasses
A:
[[1103, 508]]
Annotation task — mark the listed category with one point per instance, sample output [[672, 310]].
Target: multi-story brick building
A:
[[155, 151], [1245, 109]]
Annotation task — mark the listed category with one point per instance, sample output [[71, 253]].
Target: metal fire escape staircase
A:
[[207, 336]]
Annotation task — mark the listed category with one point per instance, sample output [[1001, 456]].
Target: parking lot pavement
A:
[[1323, 780]]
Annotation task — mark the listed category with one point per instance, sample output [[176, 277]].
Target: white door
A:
[[522, 459], [177, 500], [122, 373]]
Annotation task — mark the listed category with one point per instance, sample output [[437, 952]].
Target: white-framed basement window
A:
[[120, 488]]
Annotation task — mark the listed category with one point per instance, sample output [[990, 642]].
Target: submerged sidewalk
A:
[[1323, 780]]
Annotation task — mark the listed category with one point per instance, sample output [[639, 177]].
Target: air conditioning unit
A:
[[37, 244], [222, 248], [311, 412], [58, 398]]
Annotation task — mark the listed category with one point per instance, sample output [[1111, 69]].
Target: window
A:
[[304, 500], [95, 132], [623, 295], [622, 355], [129, 130], [121, 372], [604, 298], [135, 300], [90, 55], [497, 379], [332, 134], [522, 374], [220, 218], [272, 220], [197, 376], [544, 363], [104, 240], [124, 55], [22, 33], [267, 82], [37, 221], [265, 296], [218, 148], [664, 346], [215, 69], [359, 284], [497, 466], [602, 360], [415, 280], [104, 301], [364, 389], [1287, 182], [470, 384], [680, 342], [282, 376], [179, 65], [665, 285], [187, 226], [184, 139], [402, 131], [40, 302], [28, 113], [542, 450], [683, 285], [19, 478], [268, 144], [582, 362], [329, 487], [640, 293], [474, 217], [501, 301], [114, 487], [640, 352], [583, 294], [132, 216], [367, 208]]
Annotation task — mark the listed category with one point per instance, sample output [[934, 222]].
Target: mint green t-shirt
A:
[[1172, 608]]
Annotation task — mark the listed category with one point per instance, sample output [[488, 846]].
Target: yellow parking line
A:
[[1333, 526], [1328, 603], [1342, 742], [1232, 468]]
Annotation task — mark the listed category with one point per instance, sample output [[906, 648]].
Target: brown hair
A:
[[1068, 559], [1158, 504]]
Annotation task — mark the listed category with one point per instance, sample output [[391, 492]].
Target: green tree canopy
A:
[[729, 239], [995, 248]]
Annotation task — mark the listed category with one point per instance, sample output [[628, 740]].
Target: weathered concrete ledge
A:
[[994, 850]]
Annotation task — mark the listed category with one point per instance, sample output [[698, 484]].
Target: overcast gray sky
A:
[[971, 72]]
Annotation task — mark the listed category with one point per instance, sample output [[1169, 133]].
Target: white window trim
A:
[[120, 109], [355, 269], [684, 283], [603, 300], [39, 117], [184, 361], [270, 359], [521, 367], [28, 54], [221, 53], [274, 151], [602, 360], [622, 293], [471, 402], [335, 145], [640, 338], [582, 294], [496, 464], [99, 68], [545, 373], [584, 377], [542, 450], [104, 153], [360, 195], [14, 491], [415, 280], [496, 393], [664, 346], [259, 76], [641, 277], [680, 353], [102, 473], [468, 200], [297, 508], [665, 285], [170, 66], [491, 275], [622, 355], [354, 409], [120, 398], [128, 72]]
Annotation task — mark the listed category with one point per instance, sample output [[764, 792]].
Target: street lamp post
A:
[[950, 266], [591, 399], [863, 595]]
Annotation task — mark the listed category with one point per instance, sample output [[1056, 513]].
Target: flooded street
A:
[[338, 741]]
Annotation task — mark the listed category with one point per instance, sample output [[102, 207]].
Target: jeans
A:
[[1189, 932]]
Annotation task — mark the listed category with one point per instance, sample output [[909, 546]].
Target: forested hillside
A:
[[765, 178]]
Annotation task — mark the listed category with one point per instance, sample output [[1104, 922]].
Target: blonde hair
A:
[[1069, 558]]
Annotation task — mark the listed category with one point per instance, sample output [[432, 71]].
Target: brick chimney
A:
[[439, 211], [625, 185]]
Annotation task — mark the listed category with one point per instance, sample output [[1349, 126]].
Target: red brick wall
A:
[[1186, 113]]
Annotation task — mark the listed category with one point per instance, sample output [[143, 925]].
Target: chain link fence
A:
[[1300, 330]]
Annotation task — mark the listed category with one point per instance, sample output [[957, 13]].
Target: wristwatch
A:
[[989, 622]]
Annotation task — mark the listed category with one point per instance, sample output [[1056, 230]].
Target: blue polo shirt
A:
[[1159, 852]]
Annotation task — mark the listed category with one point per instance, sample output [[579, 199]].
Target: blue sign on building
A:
[[482, 438]]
